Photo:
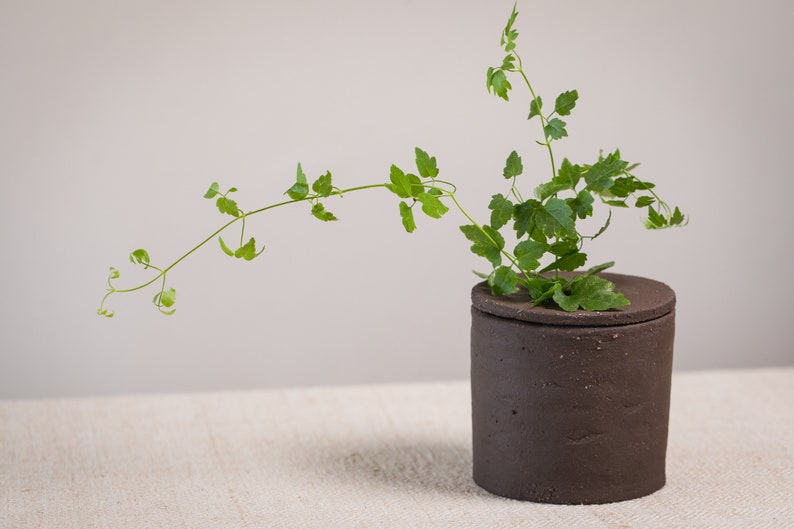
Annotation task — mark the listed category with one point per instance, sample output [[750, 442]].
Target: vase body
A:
[[572, 408]]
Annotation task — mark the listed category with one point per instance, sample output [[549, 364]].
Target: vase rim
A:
[[650, 299]]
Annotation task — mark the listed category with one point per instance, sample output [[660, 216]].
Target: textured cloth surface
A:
[[382, 456]]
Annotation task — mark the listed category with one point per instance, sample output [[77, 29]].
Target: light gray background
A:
[[115, 117]]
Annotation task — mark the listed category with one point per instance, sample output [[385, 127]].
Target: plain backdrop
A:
[[116, 116]]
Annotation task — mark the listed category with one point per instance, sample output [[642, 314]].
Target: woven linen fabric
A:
[[380, 456]]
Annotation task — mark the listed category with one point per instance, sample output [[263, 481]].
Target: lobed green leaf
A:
[[400, 185], [566, 102], [432, 205], [678, 218], [563, 247], [569, 173], [524, 215], [212, 191], [581, 204], [488, 242], [555, 129], [300, 189], [655, 219], [528, 254], [407, 215], [426, 164], [503, 281], [319, 211], [168, 297], [227, 206], [323, 186], [590, 293], [513, 166], [567, 263], [501, 211], [535, 107], [600, 176], [566, 178], [555, 219], [497, 82], [248, 250], [140, 256], [165, 298]]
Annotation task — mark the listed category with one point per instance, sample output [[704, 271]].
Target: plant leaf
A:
[[323, 186], [569, 173], [643, 202], [319, 211], [407, 215], [525, 222], [513, 166], [555, 219], [581, 204], [678, 218], [567, 263], [565, 102], [534, 107], [400, 183], [488, 242], [541, 289], [590, 293], [248, 250], [168, 298], [432, 205], [501, 211], [165, 298], [228, 251], [655, 220], [300, 188], [227, 206], [497, 81], [563, 247], [140, 256], [555, 129], [212, 191], [599, 177], [529, 253], [566, 178], [426, 164], [503, 281]]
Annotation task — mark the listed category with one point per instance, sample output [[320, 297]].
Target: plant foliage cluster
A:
[[543, 227]]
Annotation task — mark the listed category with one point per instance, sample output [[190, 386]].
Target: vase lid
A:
[[649, 299]]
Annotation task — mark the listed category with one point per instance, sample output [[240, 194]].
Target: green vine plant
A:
[[544, 227]]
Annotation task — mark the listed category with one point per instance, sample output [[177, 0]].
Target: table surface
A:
[[373, 456]]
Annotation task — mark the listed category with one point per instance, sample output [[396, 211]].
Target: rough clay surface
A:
[[569, 413], [650, 299]]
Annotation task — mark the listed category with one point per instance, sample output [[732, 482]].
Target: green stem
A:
[[222, 228], [543, 120], [507, 254]]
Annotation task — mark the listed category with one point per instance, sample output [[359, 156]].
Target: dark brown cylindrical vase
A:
[[572, 407]]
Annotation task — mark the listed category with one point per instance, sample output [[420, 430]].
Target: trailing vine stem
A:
[[164, 301]]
